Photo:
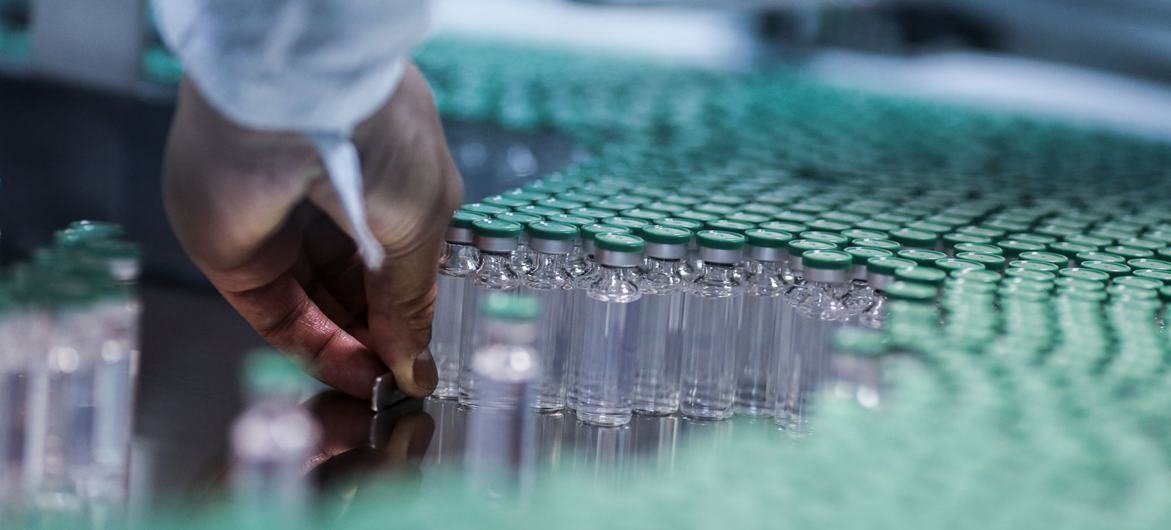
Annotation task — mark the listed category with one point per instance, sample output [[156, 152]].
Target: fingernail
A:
[[424, 371]]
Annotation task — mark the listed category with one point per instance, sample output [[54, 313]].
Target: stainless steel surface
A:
[[386, 393]]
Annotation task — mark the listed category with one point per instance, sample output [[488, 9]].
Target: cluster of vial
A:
[[68, 365]]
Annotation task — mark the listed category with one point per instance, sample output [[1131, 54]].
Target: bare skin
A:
[[256, 213]]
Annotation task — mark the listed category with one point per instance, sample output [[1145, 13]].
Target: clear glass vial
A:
[[582, 276], [759, 338], [496, 240], [459, 260], [711, 320], [880, 274], [549, 284], [605, 369], [660, 317]]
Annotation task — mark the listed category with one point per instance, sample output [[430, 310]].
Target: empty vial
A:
[[711, 320], [759, 337], [660, 315], [496, 240], [880, 273], [272, 443], [605, 369], [501, 441], [459, 260], [582, 276], [548, 283], [522, 257], [793, 277], [818, 309], [861, 294]]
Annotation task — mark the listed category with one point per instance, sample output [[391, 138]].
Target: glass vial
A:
[[549, 284], [660, 317], [582, 275], [880, 274], [605, 369], [496, 241], [459, 260], [759, 339], [711, 320]]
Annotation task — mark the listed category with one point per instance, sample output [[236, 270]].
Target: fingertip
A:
[[417, 377]]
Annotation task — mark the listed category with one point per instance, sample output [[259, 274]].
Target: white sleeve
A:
[[294, 65], [314, 66]]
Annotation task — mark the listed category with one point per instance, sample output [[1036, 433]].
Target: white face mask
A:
[[312, 66]]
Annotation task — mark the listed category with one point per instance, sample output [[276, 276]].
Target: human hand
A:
[[257, 214]]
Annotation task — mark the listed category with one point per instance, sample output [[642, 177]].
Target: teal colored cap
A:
[[570, 219], [697, 216], [914, 238], [1130, 252], [591, 212], [859, 233], [649, 216], [978, 247], [592, 231], [682, 224], [522, 218], [532, 209], [501, 306], [1084, 274], [924, 275], [826, 259], [1100, 256], [798, 247], [464, 219], [728, 225], [664, 235], [1113, 269], [887, 265], [616, 242], [492, 227], [1154, 274], [484, 209], [1149, 263], [552, 231], [824, 225], [746, 217], [784, 226], [758, 237], [626, 222], [954, 264], [721, 240], [1068, 249], [926, 258], [862, 255], [268, 373], [989, 261], [1138, 282], [1014, 248], [504, 202], [832, 238], [1044, 257], [911, 292], [870, 242]]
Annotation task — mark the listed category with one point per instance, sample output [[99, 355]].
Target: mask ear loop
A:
[[345, 173]]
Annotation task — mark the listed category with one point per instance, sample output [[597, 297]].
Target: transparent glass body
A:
[[605, 369], [495, 274], [860, 296], [711, 316], [272, 442], [23, 334], [549, 283], [582, 275], [60, 434], [874, 314], [523, 259], [759, 338], [457, 263], [501, 443], [818, 308], [660, 337], [114, 382]]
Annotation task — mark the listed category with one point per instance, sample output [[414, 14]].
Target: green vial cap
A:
[[1093, 241], [858, 233], [1084, 274], [862, 255], [616, 242], [836, 240], [1044, 257], [559, 204], [1130, 292], [860, 342], [575, 220], [1138, 282], [745, 217], [515, 217], [527, 196], [955, 238], [720, 240], [927, 226], [693, 215], [684, 224], [611, 204], [1037, 276], [826, 259], [982, 231], [923, 275], [989, 261], [644, 214], [914, 238], [911, 292], [664, 235], [955, 264], [492, 227], [1149, 263], [794, 217], [1165, 293], [596, 213], [532, 209], [1114, 269], [464, 219], [483, 209], [1040, 239], [1154, 274], [798, 247], [715, 209], [1069, 250], [552, 231], [504, 202], [1066, 282], [926, 258], [979, 247], [873, 224], [665, 207], [884, 244], [823, 225], [626, 222], [1129, 252], [976, 275], [1100, 256], [591, 232], [500, 306], [1013, 248], [784, 226], [1145, 244], [758, 237], [887, 265], [1033, 265], [727, 225]]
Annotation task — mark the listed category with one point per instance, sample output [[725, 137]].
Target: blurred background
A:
[[87, 91]]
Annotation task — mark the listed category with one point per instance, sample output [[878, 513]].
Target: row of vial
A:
[[68, 363], [653, 320]]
